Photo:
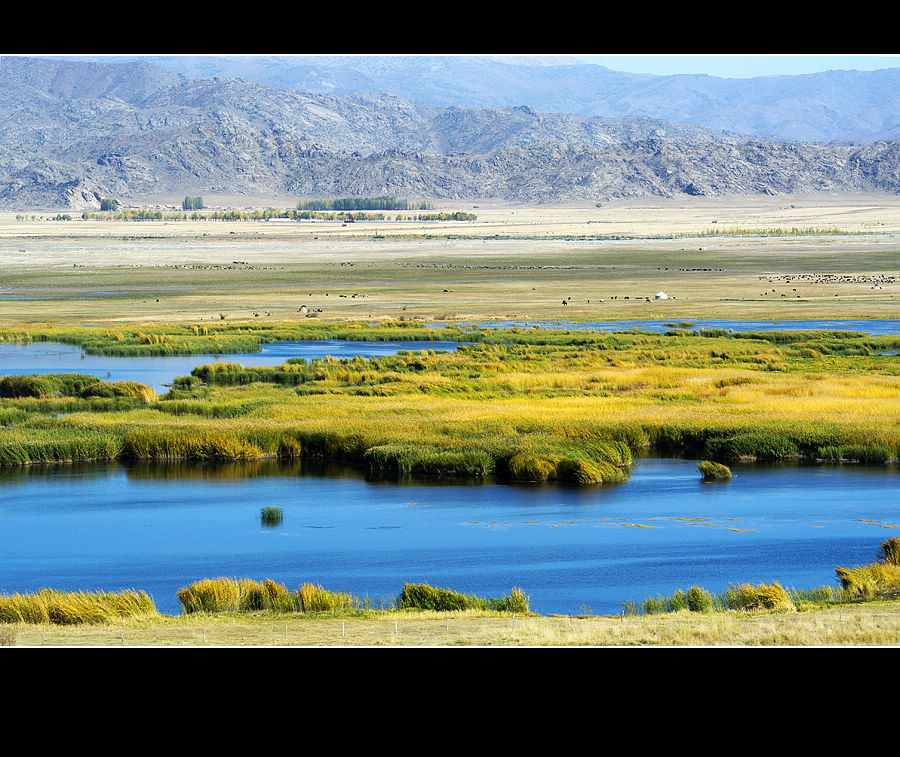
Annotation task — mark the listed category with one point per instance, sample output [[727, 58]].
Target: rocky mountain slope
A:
[[829, 106], [73, 132]]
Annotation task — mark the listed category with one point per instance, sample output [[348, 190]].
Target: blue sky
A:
[[741, 66]]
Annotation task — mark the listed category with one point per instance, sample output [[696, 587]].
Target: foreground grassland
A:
[[220, 612], [864, 624]]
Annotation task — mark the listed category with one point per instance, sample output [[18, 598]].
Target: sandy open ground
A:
[[605, 262]]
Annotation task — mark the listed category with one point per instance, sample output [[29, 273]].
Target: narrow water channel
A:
[[158, 372]]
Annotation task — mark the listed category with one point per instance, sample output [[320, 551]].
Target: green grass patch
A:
[[425, 597]]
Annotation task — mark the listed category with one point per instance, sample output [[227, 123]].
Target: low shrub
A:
[[699, 599], [658, 604]]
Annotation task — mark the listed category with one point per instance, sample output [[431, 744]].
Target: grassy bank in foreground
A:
[[860, 624], [865, 609]]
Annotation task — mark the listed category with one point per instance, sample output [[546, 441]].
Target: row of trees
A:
[[362, 203], [192, 203], [270, 213]]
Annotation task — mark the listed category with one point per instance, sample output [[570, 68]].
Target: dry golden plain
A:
[[604, 262], [875, 623]]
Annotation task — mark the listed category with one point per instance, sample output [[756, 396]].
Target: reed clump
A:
[[713, 471], [870, 453], [889, 551], [185, 444], [875, 579], [214, 595], [314, 598], [422, 596], [757, 598], [271, 516], [747, 597], [236, 595], [72, 385], [878, 579], [71, 608], [131, 389]]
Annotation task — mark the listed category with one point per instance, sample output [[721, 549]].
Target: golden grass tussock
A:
[[889, 551], [70, 608], [875, 579], [236, 595]]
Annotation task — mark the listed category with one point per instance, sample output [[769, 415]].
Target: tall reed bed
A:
[[71, 608], [527, 405], [215, 595], [20, 445]]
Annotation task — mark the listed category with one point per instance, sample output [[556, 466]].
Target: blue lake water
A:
[[159, 528]]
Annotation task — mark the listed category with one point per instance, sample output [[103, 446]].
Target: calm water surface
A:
[[158, 372], [158, 528]]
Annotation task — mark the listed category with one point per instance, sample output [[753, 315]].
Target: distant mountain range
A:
[[859, 106], [72, 132]]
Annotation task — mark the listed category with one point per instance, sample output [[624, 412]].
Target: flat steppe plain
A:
[[604, 262]]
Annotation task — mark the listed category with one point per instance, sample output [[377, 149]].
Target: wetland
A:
[[466, 413]]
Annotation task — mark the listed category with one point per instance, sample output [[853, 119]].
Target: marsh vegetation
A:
[[515, 404]]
